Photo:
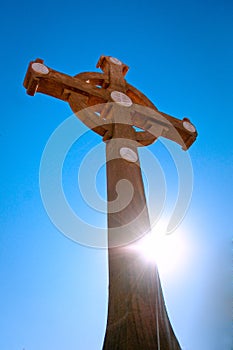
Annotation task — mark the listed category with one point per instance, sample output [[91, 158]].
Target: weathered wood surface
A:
[[137, 317]]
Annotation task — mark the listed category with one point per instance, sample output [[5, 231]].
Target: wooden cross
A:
[[126, 119]]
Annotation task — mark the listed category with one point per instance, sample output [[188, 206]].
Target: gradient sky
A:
[[53, 293]]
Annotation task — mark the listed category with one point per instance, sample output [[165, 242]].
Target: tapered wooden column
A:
[[137, 317]]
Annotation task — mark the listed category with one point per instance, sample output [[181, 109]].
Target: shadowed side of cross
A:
[[93, 89]]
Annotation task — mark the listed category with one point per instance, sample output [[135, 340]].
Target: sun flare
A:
[[167, 251]]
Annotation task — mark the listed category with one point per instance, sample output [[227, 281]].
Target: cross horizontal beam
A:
[[93, 89]]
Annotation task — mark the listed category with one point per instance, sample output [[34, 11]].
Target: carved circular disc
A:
[[121, 98], [188, 126], [40, 68], [115, 61], [128, 154]]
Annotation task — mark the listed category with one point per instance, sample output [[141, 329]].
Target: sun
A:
[[168, 252]]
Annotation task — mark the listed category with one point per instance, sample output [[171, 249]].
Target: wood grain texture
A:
[[137, 317]]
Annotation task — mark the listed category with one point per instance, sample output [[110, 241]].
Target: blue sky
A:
[[53, 292]]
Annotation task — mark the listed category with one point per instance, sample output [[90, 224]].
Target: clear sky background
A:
[[53, 292]]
